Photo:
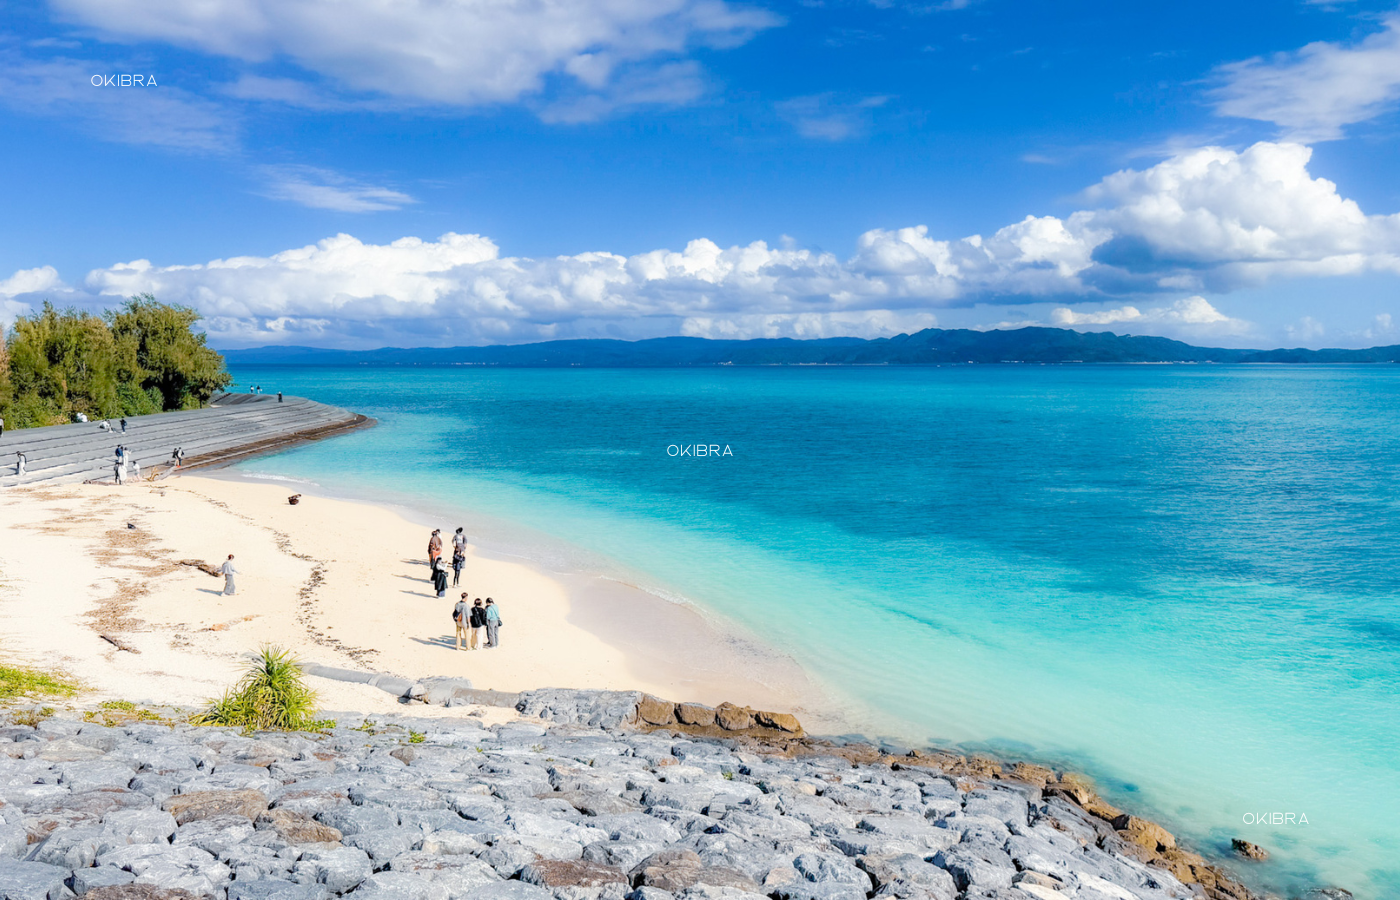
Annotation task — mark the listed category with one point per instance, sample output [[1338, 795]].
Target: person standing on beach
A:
[[458, 560], [434, 548], [440, 577], [477, 619], [229, 571], [460, 612], [493, 624]]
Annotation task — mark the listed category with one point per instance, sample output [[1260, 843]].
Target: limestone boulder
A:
[[1144, 833], [198, 805], [656, 712], [733, 718], [298, 828], [1249, 850], [780, 721], [695, 714]]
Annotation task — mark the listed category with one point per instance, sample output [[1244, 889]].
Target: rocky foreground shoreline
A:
[[569, 802]]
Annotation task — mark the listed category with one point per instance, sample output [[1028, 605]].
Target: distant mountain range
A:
[[932, 346]]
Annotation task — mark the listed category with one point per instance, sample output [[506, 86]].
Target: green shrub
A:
[[271, 696]]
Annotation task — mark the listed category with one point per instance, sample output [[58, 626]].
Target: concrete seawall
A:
[[232, 427]]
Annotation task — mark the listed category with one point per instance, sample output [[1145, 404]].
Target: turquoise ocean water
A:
[[1184, 580]]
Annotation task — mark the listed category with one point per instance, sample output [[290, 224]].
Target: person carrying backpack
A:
[[460, 614], [477, 619]]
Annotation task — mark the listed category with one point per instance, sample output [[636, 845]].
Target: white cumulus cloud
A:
[[452, 52], [1314, 93], [1205, 220]]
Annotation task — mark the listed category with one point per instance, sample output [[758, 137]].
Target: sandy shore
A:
[[336, 582]]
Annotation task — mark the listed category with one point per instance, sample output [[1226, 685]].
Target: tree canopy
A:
[[144, 357]]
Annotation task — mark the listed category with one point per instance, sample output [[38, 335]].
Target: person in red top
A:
[[434, 549]]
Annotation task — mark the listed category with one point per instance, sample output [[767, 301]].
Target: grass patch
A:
[[16, 682], [416, 737], [115, 713], [271, 696]]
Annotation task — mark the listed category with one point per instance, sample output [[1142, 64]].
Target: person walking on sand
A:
[[493, 624], [434, 548], [477, 619], [460, 613], [229, 571]]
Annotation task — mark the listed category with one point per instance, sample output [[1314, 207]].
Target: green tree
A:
[[168, 354], [62, 363], [143, 358]]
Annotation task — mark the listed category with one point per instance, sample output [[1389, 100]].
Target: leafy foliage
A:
[[271, 696], [143, 358]]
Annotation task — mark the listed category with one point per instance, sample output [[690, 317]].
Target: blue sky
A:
[[419, 173]]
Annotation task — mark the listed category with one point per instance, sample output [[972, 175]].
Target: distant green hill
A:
[[928, 347]]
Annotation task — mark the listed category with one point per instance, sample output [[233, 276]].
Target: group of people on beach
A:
[[469, 618]]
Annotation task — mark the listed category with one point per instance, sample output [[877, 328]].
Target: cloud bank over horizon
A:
[[1205, 221]]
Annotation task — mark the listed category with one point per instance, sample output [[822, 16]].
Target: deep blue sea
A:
[[1184, 580]]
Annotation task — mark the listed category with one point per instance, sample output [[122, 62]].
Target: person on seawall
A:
[[20, 460], [123, 424], [434, 548], [477, 619], [440, 577], [2, 425], [279, 396], [229, 571], [493, 624], [460, 614]]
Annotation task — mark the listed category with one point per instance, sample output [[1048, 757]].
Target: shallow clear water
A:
[[1185, 580]]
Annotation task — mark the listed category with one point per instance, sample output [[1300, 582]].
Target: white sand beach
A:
[[336, 582]]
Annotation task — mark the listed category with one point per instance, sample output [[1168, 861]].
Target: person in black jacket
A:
[[440, 577], [477, 620]]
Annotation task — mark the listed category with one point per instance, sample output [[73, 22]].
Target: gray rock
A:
[[384, 844], [32, 881], [1006, 806], [85, 880], [909, 876], [350, 820], [214, 835], [96, 775], [460, 875], [451, 843], [70, 848], [139, 826], [399, 886], [339, 869], [972, 872], [275, 889], [14, 840], [398, 798], [625, 854], [510, 890], [509, 859]]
